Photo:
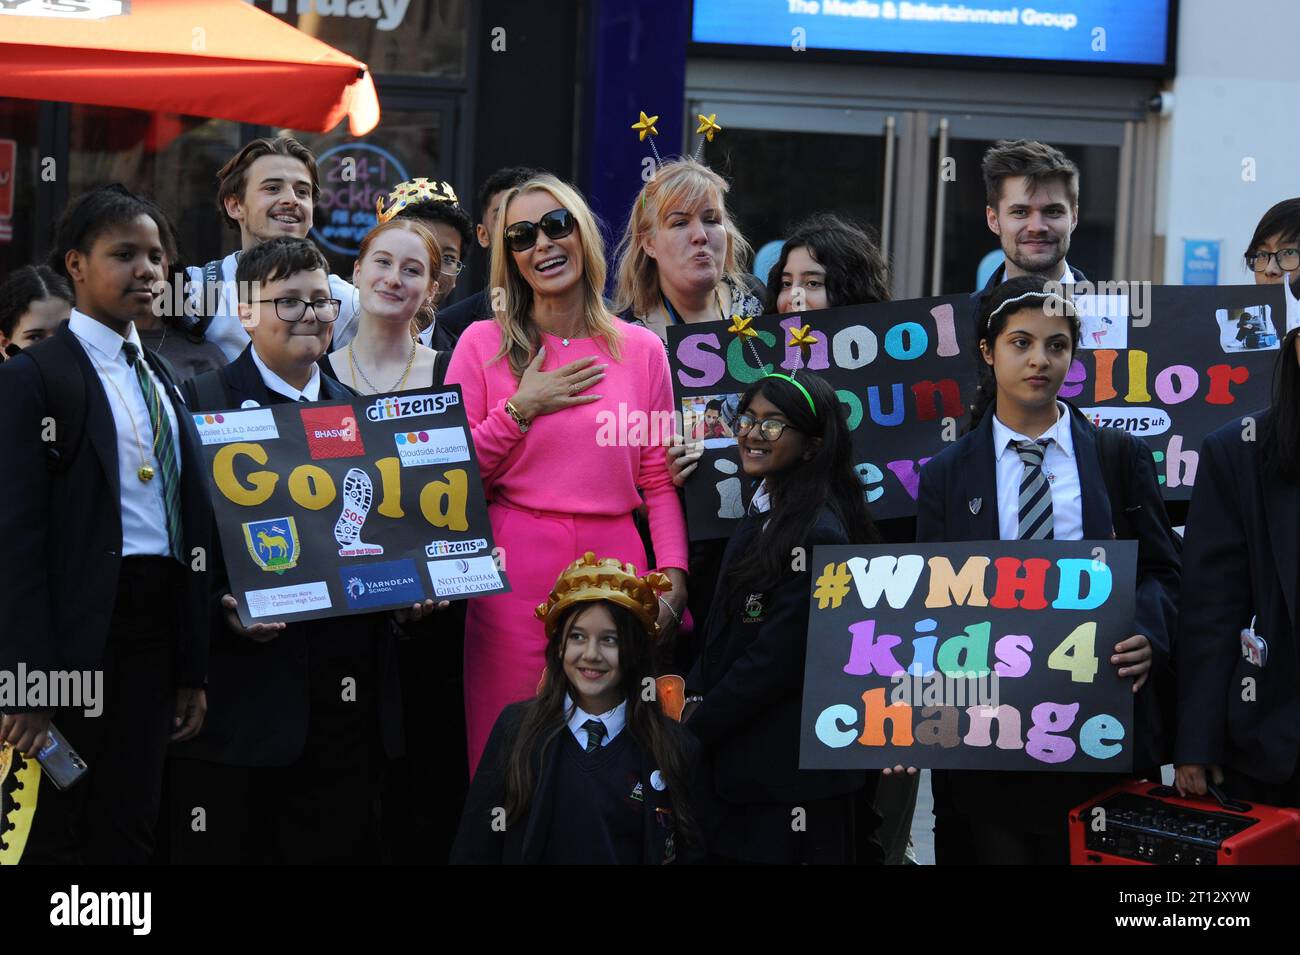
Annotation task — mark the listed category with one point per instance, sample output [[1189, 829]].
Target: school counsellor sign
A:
[[332, 508]]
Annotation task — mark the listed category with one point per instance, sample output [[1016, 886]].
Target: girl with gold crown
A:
[[588, 771]]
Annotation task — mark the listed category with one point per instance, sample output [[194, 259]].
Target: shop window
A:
[[20, 180], [173, 159], [428, 37]]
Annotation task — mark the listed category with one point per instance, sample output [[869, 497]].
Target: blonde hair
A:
[[424, 314], [520, 338], [679, 184]]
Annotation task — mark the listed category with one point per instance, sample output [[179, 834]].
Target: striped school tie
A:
[[164, 452], [595, 733], [1035, 492]]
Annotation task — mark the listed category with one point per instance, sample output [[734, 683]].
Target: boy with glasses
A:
[[1274, 254], [288, 768]]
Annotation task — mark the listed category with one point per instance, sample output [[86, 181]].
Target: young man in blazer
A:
[[105, 545], [289, 766]]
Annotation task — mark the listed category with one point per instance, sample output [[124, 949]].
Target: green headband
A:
[[797, 385]]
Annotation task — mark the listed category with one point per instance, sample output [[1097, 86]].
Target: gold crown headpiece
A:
[[410, 192], [589, 578]]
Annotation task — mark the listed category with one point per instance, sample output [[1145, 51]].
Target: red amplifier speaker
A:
[[1144, 823]]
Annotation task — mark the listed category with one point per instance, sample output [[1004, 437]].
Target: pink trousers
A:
[[505, 643]]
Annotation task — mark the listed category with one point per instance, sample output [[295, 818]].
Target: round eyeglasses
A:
[[769, 428]]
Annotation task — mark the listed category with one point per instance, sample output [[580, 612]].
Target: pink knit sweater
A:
[[586, 459]]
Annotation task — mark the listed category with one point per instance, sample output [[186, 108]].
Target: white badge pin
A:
[[975, 504], [657, 781], [249, 403]]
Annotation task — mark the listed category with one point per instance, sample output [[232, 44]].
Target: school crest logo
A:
[[273, 544], [754, 608]]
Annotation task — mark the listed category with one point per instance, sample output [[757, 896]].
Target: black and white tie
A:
[[595, 733], [1035, 492]]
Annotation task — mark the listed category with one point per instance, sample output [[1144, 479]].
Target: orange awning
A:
[[220, 58]]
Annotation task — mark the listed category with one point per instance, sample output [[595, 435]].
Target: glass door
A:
[[786, 161]]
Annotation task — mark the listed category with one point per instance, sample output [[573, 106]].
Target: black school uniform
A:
[[71, 600], [1243, 538], [1021, 817], [750, 674], [608, 807], [286, 770]]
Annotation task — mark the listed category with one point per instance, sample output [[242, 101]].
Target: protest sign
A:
[[985, 655], [1171, 363], [904, 371], [338, 507]]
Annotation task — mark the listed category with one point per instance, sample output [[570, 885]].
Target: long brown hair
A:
[[545, 716]]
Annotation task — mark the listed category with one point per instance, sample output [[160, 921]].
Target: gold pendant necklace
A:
[[145, 472]]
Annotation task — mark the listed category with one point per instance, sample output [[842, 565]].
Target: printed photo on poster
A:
[[1246, 329], [711, 419], [1103, 321]]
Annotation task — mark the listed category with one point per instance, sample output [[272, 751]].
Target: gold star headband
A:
[[409, 193], [645, 126], [589, 578], [801, 338]]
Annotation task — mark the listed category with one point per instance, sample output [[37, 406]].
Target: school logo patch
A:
[[332, 432], [273, 544], [754, 608]]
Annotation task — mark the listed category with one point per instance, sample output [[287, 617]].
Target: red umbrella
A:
[[220, 58]]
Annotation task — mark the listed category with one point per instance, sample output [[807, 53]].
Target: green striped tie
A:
[[164, 449]]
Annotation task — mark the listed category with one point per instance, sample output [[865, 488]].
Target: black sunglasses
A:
[[522, 236]]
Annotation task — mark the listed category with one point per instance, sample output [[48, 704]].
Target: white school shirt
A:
[[1062, 470], [229, 334], [144, 514], [309, 392], [614, 721]]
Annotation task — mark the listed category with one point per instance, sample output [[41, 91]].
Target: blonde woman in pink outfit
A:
[[567, 406]]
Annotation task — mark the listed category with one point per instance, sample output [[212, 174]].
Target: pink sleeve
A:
[[667, 523], [495, 433]]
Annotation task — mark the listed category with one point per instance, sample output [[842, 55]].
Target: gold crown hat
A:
[[590, 578], [410, 192]]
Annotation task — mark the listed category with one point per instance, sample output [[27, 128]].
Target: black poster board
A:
[[335, 507], [985, 655]]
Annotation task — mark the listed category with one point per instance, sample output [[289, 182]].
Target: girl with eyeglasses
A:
[[744, 694], [567, 406]]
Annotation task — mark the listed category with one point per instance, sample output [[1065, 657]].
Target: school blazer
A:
[[1241, 560], [62, 530], [259, 693], [479, 842], [750, 673], [966, 471]]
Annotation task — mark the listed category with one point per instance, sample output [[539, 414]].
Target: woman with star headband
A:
[[541, 385]]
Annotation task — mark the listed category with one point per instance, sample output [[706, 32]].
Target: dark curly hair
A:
[[857, 272]]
